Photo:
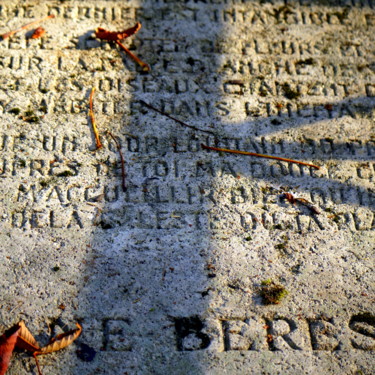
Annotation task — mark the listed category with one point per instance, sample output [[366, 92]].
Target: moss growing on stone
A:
[[30, 116], [275, 122], [266, 282], [290, 93], [336, 218], [308, 61], [280, 246], [65, 174], [271, 292], [48, 181], [15, 111]]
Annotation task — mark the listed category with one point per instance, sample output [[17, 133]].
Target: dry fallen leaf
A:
[[104, 34], [25, 339], [60, 341], [115, 36], [20, 337], [7, 343]]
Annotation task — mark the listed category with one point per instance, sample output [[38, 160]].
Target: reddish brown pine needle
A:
[[37, 364], [93, 123], [225, 149], [145, 67], [122, 160], [10, 33], [174, 119], [258, 155]]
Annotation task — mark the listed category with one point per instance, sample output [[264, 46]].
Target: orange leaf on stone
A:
[[20, 337], [25, 339], [7, 343], [117, 36], [104, 34], [60, 341]]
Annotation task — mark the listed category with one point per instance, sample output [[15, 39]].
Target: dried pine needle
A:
[[174, 119], [11, 33], [224, 149], [145, 67], [258, 155], [93, 123]]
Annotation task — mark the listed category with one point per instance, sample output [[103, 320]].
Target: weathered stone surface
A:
[[165, 277]]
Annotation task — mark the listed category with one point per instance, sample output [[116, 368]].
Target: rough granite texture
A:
[[166, 277]]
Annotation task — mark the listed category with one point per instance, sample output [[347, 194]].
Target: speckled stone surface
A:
[[167, 276]]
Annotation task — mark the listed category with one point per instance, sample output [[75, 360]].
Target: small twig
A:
[[145, 67], [224, 149], [10, 33], [174, 119], [37, 364], [93, 123], [121, 158], [258, 155], [304, 202]]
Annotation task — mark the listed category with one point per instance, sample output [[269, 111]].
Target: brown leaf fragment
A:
[[26, 340], [308, 204], [60, 341], [7, 343], [289, 197], [104, 34], [304, 202], [38, 33]]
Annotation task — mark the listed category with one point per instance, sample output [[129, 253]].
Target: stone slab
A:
[[166, 277]]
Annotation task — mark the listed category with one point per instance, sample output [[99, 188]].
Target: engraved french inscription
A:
[[159, 242]]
